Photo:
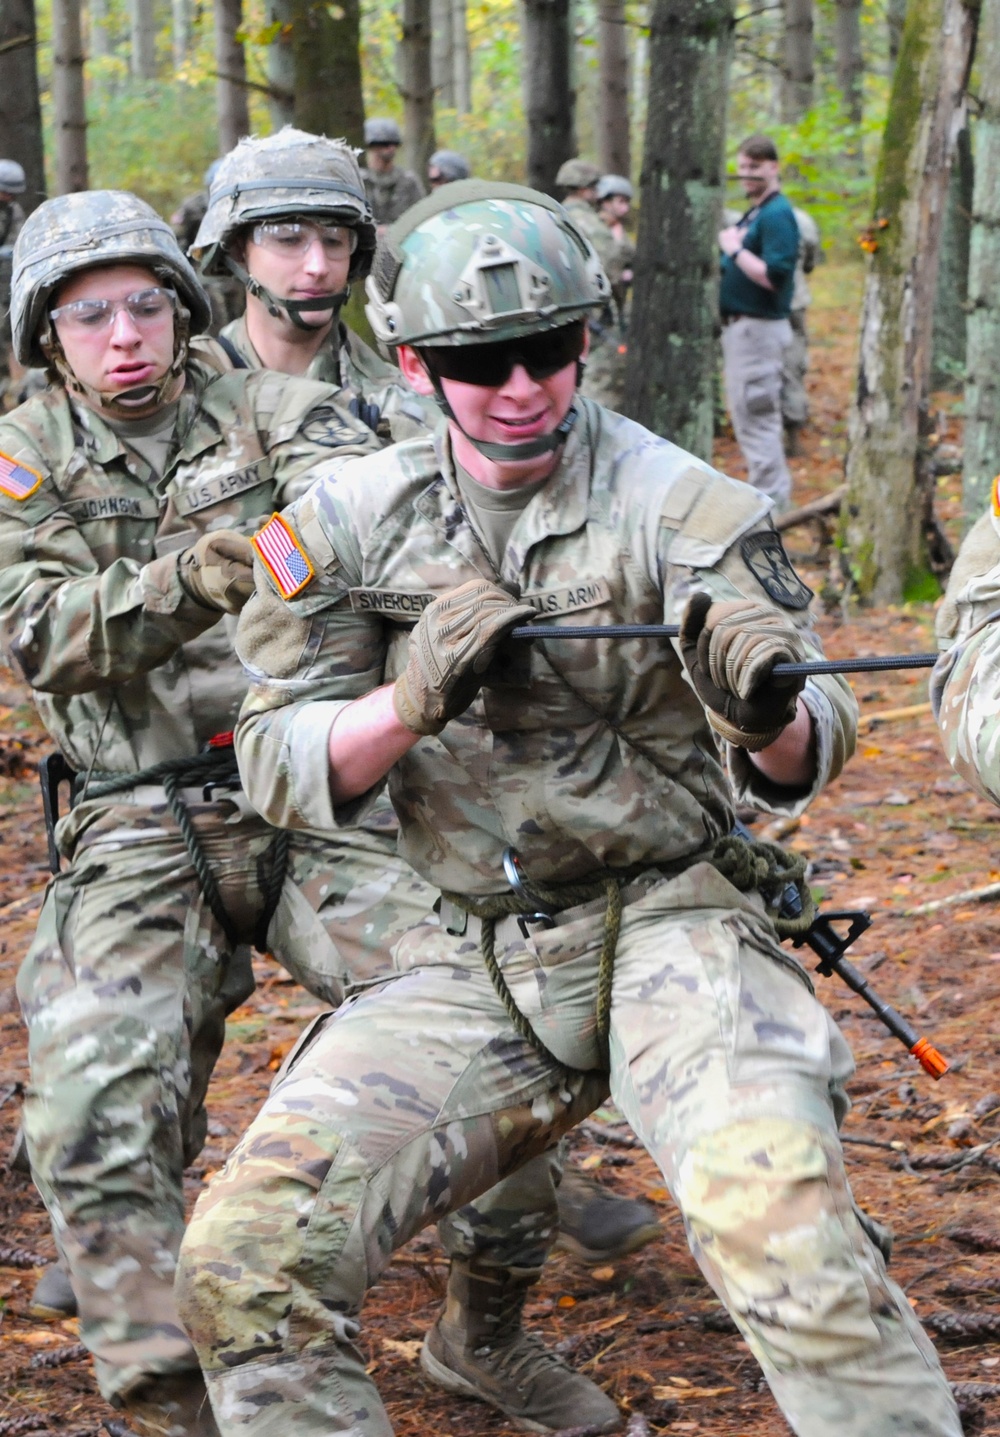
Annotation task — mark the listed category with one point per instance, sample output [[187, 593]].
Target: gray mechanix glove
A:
[[729, 649], [217, 570], [450, 650]]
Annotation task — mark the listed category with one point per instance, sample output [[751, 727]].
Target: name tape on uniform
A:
[[283, 557], [586, 594], [397, 603], [17, 480]]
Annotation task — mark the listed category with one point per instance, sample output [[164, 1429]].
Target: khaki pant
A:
[[419, 1094], [753, 353]]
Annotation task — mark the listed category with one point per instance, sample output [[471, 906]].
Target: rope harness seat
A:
[[216, 767], [749, 864]]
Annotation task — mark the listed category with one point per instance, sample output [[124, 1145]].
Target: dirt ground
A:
[[896, 831]]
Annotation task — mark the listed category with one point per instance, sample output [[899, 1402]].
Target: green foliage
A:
[[921, 587]]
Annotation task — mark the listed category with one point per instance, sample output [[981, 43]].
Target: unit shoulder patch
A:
[[17, 479], [283, 557], [765, 557], [326, 427]]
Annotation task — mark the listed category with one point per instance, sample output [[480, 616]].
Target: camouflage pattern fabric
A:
[[604, 376], [11, 220], [417, 1094], [965, 684], [391, 193], [126, 985], [347, 361]]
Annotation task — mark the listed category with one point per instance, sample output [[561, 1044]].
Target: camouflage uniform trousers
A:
[[125, 991], [604, 375], [794, 399], [417, 1095]]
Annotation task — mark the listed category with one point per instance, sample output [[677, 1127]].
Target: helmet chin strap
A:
[[296, 309], [511, 453]]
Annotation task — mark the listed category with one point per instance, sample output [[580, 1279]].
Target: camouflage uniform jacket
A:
[[358, 370], [391, 193], [965, 685], [589, 223], [127, 669], [582, 755]]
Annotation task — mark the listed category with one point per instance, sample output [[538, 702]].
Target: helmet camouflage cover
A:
[[478, 262], [13, 180], [76, 232], [290, 173]]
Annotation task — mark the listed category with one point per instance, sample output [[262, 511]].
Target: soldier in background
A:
[[604, 378], [128, 489], [227, 297], [12, 183], [795, 365], [390, 191], [446, 166]]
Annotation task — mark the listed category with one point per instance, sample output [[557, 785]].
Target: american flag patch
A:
[[17, 481], [284, 559]]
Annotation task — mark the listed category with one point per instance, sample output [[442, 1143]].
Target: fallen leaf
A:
[[687, 1392], [566, 1301], [408, 1351], [602, 1274], [591, 1161]]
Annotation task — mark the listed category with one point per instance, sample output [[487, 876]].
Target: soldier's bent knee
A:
[[771, 1221]]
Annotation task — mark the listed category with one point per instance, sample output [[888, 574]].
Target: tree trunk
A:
[[143, 21], [314, 67], [69, 115], [895, 15], [982, 386], [416, 84], [850, 58], [797, 69], [949, 343], [98, 36], [549, 101], [20, 110], [612, 51], [888, 526], [462, 57], [673, 342], [281, 62], [231, 104], [181, 31], [443, 52]]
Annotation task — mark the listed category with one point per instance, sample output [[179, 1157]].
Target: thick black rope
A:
[[748, 864], [216, 767]]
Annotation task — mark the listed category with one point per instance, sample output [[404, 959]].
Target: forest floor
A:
[[897, 830]]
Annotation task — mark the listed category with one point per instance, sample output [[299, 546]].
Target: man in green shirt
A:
[[759, 253]]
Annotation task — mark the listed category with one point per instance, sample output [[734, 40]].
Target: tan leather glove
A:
[[450, 649], [217, 570], [729, 650]]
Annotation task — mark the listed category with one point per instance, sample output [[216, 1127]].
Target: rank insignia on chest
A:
[[17, 480], [283, 557]]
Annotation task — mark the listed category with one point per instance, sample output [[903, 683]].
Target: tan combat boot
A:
[[479, 1349], [174, 1405]]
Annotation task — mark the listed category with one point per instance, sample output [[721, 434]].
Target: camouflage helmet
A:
[[13, 180], [609, 185], [76, 232], [382, 131], [290, 173], [477, 262], [577, 175]]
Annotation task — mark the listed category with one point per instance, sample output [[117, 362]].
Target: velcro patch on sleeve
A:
[[283, 557], [17, 480], [765, 557]]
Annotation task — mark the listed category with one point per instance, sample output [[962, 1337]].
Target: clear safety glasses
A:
[[293, 238], [146, 308]]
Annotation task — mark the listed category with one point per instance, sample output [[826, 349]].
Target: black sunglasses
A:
[[491, 365]]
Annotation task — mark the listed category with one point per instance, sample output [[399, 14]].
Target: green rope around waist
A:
[[750, 865], [216, 768]]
